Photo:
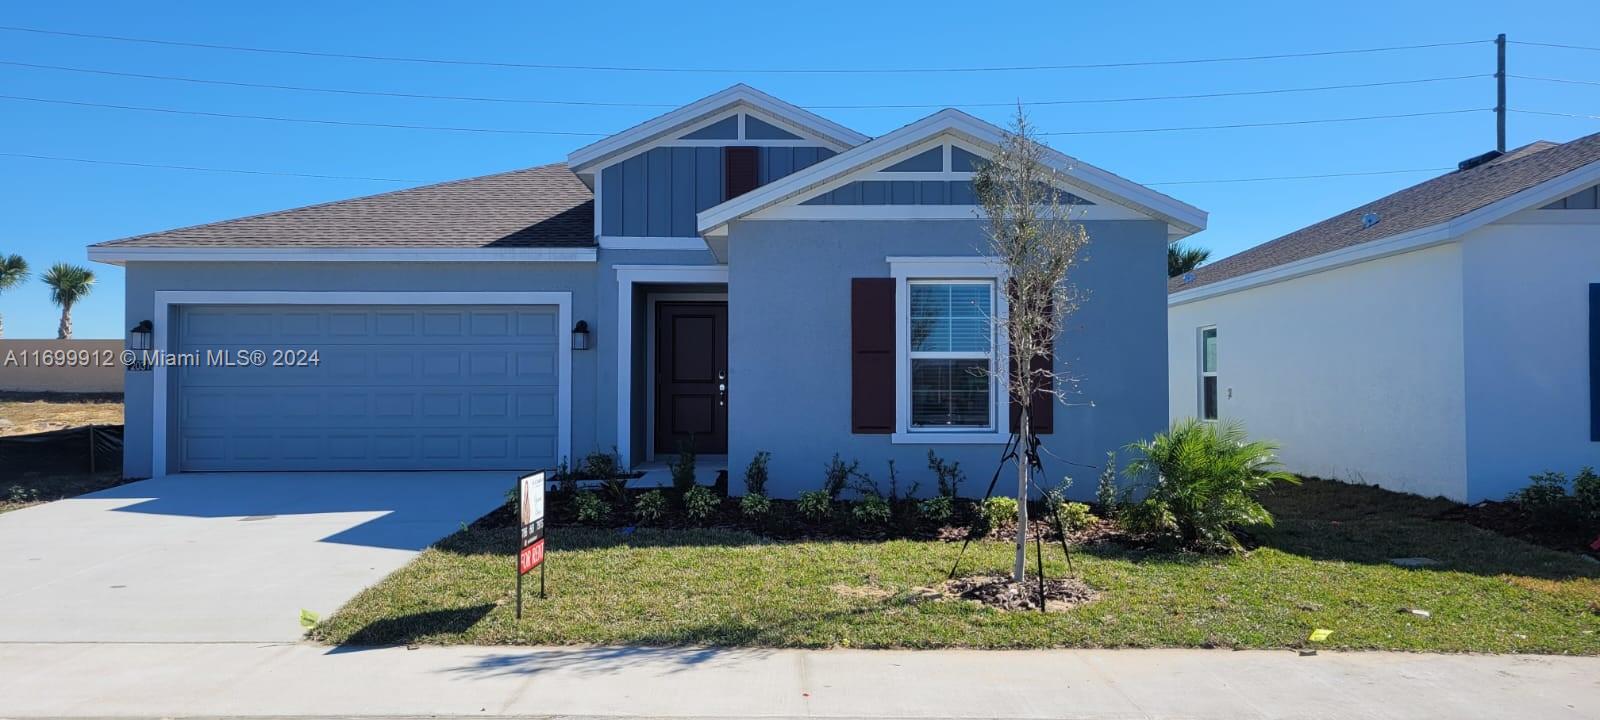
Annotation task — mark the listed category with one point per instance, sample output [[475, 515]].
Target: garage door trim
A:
[[165, 300]]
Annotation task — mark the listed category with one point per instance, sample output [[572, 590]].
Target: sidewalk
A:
[[164, 680]]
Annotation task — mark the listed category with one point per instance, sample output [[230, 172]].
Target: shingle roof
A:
[[545, 206], [1434, 201]]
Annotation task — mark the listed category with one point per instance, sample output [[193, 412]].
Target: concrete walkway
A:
[[217, 680], [220, 557]]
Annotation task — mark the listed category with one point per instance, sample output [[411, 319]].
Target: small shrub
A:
[[1106, 493], [1545, 493], [836, 476], [755, 474], [682, 469], [1075, 516], [937, 509], [700, 504], [755, 506], [948, 475], [651, 507], [873, 511], [591, 510], [566, 481], [1203, 480], [1586, 490], [998, 511], [815, 505], [602, 465]]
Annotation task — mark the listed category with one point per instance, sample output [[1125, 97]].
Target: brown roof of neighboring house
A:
[[545, 206], [1434, 201]]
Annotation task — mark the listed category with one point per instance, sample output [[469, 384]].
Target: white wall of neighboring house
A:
[[1527, 347], [1357, 372]]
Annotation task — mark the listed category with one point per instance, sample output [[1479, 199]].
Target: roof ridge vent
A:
[[1370, 219], [1477, 160]]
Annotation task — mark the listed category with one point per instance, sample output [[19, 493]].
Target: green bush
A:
[[1546, 499], [1201, 480], [755, 474], [1106, 494], [873, 511], [682, 469], [1076, 516], [998, 511], [948, 475], [937, 509], [700, 504], [836, 476], [651, 507], [591, 509], [1586, 490], [815, 505], [566, 481], [601, 465], [755, 506]]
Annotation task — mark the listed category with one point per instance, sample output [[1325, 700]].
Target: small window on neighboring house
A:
[[1208, 373], [951, 354]]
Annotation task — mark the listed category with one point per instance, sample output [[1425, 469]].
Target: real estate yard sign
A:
[[530, 505]]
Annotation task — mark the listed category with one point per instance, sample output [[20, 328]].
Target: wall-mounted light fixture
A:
[[580, 336], [139, 343]]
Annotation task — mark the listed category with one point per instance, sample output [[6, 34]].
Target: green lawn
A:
[[1324, 566]]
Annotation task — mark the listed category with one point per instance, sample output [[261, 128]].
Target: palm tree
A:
[[68, 284], [13, 270], [1182, 259]]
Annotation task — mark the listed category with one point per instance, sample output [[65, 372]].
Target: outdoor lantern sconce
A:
[[139, 344], [580, 336]]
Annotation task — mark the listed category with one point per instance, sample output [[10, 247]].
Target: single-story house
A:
[[739, 274], [1443, 340]]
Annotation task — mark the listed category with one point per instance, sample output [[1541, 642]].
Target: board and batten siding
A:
[[1356, 372], [657, 193]]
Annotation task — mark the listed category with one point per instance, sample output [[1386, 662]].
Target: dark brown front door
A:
[[692, 376]]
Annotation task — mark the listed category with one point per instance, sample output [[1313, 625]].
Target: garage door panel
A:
[[454, 387]]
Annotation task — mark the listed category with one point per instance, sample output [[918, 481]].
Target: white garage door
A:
[[440, 387]]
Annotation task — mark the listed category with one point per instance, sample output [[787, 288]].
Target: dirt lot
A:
[[28, 413]]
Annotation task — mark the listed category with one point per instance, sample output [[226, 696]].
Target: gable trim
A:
[[1183, 218], [113, 255], [587, 158]]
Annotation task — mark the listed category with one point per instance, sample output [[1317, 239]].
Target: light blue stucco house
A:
[[738, 274]]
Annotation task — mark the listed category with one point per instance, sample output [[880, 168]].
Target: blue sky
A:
[[49, 211]]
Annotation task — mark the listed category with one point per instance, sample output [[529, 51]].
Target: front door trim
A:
[[166, 299], [627, 277], [651, 301]]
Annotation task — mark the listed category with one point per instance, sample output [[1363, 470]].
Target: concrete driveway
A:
[[225, 557]]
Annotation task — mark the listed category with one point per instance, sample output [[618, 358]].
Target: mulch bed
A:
[[998, 591], [1509, 519]]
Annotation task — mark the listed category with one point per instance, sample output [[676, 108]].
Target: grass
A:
[[1324, 566], [28, 413]]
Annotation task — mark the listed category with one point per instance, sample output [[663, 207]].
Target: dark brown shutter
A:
[[1043, 408], [871, 355], [741, 171]]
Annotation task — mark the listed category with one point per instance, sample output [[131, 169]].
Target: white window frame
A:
[[1200, 394], [907, 270]]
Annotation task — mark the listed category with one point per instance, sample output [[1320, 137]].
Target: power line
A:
[[196, 168], [1554, 45], [313, 121], [725, 70], [1265, 124], [352, 123], [1555, 114], [1555, 80], [1300, 177], [907, 106]]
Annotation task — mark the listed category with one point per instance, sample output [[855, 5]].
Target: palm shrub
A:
[[68, 284], [1202, 478], [13, 270]]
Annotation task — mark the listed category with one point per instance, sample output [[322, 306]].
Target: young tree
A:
[[68, 284], [13, 270], [1032, 234], [1182, 259]]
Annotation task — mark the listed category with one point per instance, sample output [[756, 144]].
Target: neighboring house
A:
[[738, 273], [1441, 340]]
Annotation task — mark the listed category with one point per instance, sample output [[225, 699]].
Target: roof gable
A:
[[682, 123], [1509, 183], [908, 149]]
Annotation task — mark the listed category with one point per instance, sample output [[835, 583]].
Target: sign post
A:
[[530, 506]]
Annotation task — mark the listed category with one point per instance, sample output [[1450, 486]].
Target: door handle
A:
[[722, 387]]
